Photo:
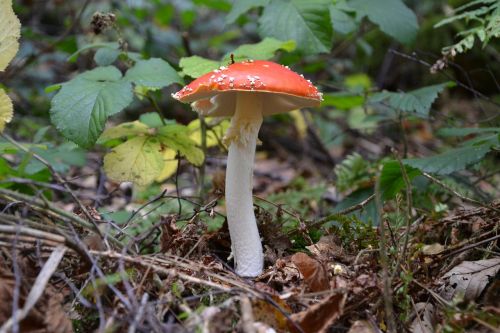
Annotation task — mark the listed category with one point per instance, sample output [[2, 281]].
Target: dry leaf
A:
[[362, 326], [314, 272], [424, 318], [56, 320], [469, 279], [432, 249], [265, 312], [319, 317]]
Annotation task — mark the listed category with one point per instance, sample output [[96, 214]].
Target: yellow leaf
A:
[[123, 130], [214, 135], [10, 31], [170, 164], [6, 109], [138, 160]]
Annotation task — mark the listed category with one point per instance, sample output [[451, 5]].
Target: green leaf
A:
[[342, 22], [241, 7], [262, 50], [305, 21], [177, 137], [221, 5], [391, 178], [138, 160], [196, 66], [417, 101], [80, 109], [451, 160], [151, 119], [74, 56], [124, 130], [105, 56], [342, 100], [154, 73], [451, 131], [60, 158], [52, 88], [392, 16]]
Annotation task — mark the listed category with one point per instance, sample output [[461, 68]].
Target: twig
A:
[[464, 198], [38, 288], [247, 318], [468, 247], [409, 204], [460, 84], [384, 261], [346, 211], [59, 179]]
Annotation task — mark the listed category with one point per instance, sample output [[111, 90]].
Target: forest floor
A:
[[165, 266]]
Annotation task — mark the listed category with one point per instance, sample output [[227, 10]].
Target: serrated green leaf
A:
[[60, 158], [74, 56], [154, 73], [391, 178], [392, 16], [80, 109], [305, 21], [342, 22], [262, 50], [417, 101], [10, 31], [106, 56], [450, 161], [151, 119], [196, 66], [240, 7], [6, 109], [215, 131], [177, 137], [138, 160], [124, 130]]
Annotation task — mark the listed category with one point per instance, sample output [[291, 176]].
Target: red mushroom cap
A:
[[214, 93]]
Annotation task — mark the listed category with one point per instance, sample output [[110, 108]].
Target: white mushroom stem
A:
[[242, 137]]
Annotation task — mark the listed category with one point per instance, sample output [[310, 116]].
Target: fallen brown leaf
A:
[[266, 312], [424, 318], [319, 317], [362, 326], [315, 274], [469, 279]]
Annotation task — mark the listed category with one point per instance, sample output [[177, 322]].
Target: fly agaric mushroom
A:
[[246, 91]]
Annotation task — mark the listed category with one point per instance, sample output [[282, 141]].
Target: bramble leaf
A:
[[305, 21], [10, 31], [169, 166], [80, 109], [262, 50], [123, 130], [6, 109], [392, 16], [196, 66], [240, 7], [138, 160], [215, 132], [154, 73], [177, 137]]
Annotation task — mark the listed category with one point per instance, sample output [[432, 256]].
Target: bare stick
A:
[[384, 262], [38, 287]]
